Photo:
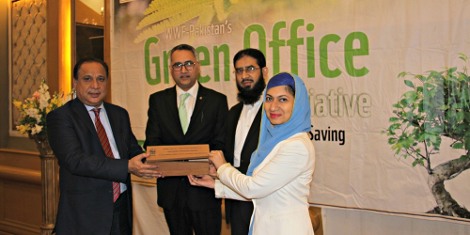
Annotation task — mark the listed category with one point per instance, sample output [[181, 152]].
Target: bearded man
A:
[[242, 128]]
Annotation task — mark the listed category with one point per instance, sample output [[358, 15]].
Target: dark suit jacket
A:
[[86, 174], [206, 127], [251, 141], [250, 145]]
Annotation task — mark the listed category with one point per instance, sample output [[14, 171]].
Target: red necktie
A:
[[107, 149]]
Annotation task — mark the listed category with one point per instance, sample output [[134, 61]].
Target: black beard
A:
[[248, 95]]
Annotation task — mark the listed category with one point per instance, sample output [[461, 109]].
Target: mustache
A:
[[247, 80]]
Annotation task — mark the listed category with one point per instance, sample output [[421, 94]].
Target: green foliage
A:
[[438, 105]]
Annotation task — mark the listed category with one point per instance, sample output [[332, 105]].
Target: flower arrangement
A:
[[33, 110]]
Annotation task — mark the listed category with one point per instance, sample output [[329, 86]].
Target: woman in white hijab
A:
[[278, 178]]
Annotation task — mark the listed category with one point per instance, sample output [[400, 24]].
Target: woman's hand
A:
[[217, 158], [212, 170], [202, 180]]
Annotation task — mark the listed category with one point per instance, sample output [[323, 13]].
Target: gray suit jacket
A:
[[251, 141]]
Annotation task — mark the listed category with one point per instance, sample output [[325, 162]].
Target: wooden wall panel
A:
[[20, 192]]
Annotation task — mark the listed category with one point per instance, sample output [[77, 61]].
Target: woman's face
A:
[[279, 104]]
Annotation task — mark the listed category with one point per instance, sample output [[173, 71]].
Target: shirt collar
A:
[[89, 108], [192, 91]]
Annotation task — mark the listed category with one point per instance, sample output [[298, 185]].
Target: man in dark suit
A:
[[187, 113], [242, 128], [95, 161]]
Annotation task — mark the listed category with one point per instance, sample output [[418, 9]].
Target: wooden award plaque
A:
[[180, 160]]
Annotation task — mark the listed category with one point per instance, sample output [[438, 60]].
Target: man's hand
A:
[[138, 168]]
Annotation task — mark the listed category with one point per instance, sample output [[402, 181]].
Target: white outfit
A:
[[279, 187]]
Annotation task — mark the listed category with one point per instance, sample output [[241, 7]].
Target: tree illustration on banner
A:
[[437, 107], [162, 15]]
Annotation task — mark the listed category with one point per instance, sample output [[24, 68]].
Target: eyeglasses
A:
[[248, 69], [189, 65]]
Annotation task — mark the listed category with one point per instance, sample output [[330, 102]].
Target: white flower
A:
[[34, 109], [36, 129], [44, 100]]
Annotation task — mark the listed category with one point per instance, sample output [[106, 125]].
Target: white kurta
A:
[[279, 187]]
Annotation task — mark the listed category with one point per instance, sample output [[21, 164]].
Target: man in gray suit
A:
[[242, 128], [97, 150], [187, 113]]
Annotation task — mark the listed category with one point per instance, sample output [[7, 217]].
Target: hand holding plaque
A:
[[180, 160]]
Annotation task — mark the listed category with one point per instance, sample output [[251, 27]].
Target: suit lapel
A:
[[233, 123], [237, 111], [198, 112], [251, 140], [82, 114]]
